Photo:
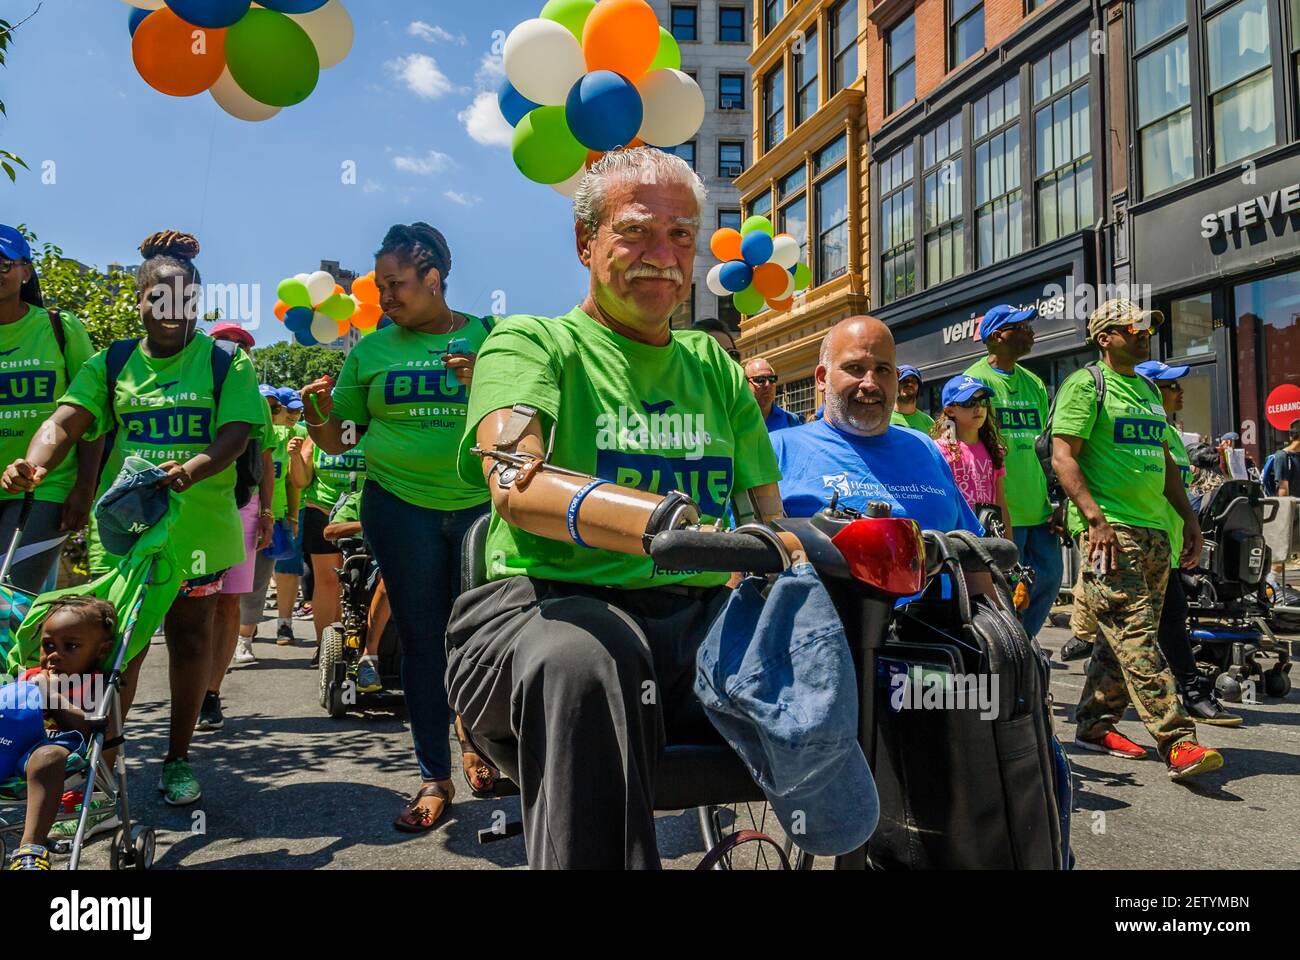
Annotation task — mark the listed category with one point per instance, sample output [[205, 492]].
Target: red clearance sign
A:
[[1283, 406]]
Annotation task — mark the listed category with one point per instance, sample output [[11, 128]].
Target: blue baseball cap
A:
[[776, 679], [1004, 314], [962, 388], [1155, 370], [269, 391], [289, 398], [13, 245], [906, 370], [132, 505]]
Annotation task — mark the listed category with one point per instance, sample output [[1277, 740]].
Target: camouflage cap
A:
[[1120, 313]]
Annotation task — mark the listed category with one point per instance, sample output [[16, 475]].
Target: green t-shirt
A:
[[677, 417], [1020, 408], [1178, 451], [164, 411], [33, 375], [347, 510], [394, 384], [917, 420], [280, 461], [333, 475], [1123, 454]]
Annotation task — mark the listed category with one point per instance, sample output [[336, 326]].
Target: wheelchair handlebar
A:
[[721, 552]]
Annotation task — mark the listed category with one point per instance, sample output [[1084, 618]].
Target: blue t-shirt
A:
[[780, 419], [902, 467]]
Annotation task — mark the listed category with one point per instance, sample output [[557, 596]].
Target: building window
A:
[[900, 55], [805, 79], [1062, 141], [965, 30], [760, 206], [1191, 327], [729, 218], [998, 224], [897, 225], [731, 159], [728, 313], [831, 192], [829, 155], [773, 11], [731, 91], [844, 45], [731, 25], [945, 235], [1032, 5], [792, 217], [685, 22], [1164, 94], [1241, 80], [773, 108], [1295, 40], [798, 396], [686, 151]]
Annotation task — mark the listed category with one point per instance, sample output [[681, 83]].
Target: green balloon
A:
[[669, 56], [272, 58], [757, 223], [802, 276], [294, 293], [338, 307], [572, 14], [544, 148], [749, 301]]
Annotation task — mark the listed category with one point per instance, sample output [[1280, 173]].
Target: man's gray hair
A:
[[645, 164]]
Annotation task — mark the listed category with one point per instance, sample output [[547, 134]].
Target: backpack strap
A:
[[61, 338], [223, 357], [118, 354]]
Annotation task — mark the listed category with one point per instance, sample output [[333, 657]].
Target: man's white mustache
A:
[[651, 273]]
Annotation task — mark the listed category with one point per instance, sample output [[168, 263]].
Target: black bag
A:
[[959, 790]]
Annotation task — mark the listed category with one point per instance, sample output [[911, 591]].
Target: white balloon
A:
[[231, 98], [789, 288], [714, 281], [543, 61], [567, 188], [320, 287], [302, 278], [330, 28], [324, 329], [785, 250], [146, 4], [674, 108]]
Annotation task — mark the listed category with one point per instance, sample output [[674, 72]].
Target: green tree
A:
[[8, 160], [107, 303], [293, 365]]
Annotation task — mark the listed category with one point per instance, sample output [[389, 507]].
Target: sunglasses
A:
[[968, 404], [1134, 328], [759, 381], [1172, 385], [7, 265]]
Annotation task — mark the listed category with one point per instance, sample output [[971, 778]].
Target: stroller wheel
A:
[[1228, 688], [1277, 682], [134, 852]]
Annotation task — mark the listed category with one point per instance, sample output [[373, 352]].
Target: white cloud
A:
[[464, 199], [431, 33], [484, 123], [491, 71], [372, 186], [421, 75], [427, 165]]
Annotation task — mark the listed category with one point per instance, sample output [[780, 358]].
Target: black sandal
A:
[[415, 819]]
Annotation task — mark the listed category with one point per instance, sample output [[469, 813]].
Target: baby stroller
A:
[[135, 586], [1227, 607]]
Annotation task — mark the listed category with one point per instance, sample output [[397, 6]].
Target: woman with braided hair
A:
[[163, 409], [407, 387]]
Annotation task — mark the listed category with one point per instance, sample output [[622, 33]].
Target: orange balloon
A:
[[344, 327], [592, 157], [771, 279], [725, 244], [781, 304], [621, 35], [175, 57], [367, 316], [281, 308], [338, 288], [366, 290]]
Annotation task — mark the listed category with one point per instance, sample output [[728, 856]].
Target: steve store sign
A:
[[1249, 213]]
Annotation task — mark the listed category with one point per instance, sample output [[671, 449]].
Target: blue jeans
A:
[[1040, 550], [418, 551]]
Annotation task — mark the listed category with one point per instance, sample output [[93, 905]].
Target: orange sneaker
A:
[[1114, 743], [1187, 759]]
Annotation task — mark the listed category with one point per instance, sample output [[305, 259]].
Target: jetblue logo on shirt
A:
[[26, 388], [706, 480], [1147, 433], [343, 463], [174, 425], [1020, 418], [416, 386]]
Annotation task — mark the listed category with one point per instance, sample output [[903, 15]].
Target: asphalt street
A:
[[286, 787]]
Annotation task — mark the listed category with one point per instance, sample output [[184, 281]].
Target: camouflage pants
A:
[[1126, 664], [1082, 623]]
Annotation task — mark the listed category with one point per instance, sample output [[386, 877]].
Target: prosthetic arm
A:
[[534, 495]]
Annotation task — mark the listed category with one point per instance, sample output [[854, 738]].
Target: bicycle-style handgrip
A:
[[722, 552]]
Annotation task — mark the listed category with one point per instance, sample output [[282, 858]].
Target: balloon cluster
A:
[[585, 78], [758, 267], [253, 59], [368, 317], [314, 308]]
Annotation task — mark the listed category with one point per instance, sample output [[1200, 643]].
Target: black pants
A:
[[573, 691], [1174, 639]]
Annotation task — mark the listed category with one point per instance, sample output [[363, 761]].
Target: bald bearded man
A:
[[853, 450], [762, 384]]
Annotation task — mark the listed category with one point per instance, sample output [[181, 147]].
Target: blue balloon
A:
[[514, 105], [756, 248], [293, 6], [735, 275], [604, 110], [305, 338], [299, 319], [136, 18], [213, 14]]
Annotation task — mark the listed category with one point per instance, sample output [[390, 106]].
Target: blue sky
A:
[[267, 199]]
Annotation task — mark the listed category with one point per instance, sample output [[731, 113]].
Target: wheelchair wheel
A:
[[717, 822], [331, 654], [1277, 682]]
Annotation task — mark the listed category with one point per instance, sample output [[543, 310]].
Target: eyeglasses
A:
[[759, 381]]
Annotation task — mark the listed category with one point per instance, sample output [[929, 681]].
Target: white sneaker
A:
[[244, 652]]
